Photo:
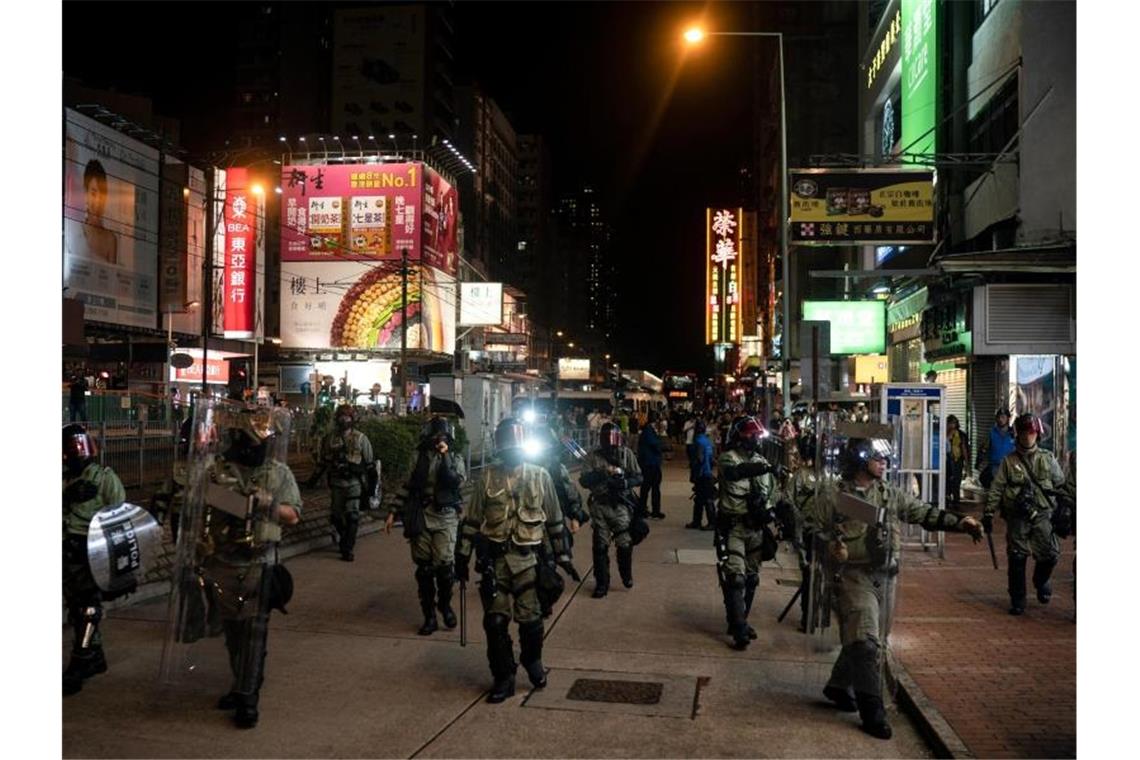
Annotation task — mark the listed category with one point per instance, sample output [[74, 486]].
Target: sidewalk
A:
[[348, 677], [1006, 685]]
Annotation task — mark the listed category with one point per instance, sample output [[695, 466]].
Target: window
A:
[[997, 122], [982, 9]]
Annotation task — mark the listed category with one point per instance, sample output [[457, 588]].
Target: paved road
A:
[[348, 677]]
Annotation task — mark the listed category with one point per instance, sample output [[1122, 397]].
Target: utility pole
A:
[[208, 274], [400, 408]]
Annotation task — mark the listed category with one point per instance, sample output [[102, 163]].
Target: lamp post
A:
[[694, 36]]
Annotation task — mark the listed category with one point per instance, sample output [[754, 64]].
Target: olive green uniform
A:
[[512, 516], [797, 490], [236, 570], [739, 536], [435, 487], [348, 455], [864, 590], [1027, 513], [611, 511], [96, 487]]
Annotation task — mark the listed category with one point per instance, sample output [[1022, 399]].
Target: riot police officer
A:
[[609, 473], [514, 511], [742, 538], [1022, 491], [87, 488], [238, 499], [865, 558], [430, 503], [347, 454]]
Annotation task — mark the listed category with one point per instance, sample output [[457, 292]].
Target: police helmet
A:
[[1026, 423], [79, 448], [745, 433], [610, 436], [857, 454], [439, 427]]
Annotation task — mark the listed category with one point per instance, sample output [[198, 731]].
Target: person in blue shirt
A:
[[997, 448], [649, 458], [701, 476]]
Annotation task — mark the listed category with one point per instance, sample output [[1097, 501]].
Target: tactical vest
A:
[[512, 507]]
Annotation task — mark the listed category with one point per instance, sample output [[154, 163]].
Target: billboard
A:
[[573, 369], [857, 327], [173, 237], [357, 304], [724, 229], [861, 206], [919, 75], [480, 303], [241, 219], [369, 212], [110, 229]]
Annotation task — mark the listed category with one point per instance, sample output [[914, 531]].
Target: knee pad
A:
[[751, 581], [424, 572], [735, 581], [864, 649], [444, 573], [495, 622]]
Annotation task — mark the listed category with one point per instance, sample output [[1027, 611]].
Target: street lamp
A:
[[559, 333], [692, 36]]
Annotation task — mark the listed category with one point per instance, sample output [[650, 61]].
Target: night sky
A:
[[660, 132]]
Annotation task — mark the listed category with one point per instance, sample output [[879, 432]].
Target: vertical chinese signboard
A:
[[240, 283], [723, 258], [919, 75]]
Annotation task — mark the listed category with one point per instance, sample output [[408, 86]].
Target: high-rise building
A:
[[538, 275], [489, 196], [277, 94], [392, 73], [584, 243]]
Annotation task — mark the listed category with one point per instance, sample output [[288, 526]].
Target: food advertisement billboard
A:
[[861, 206], [110, 229]]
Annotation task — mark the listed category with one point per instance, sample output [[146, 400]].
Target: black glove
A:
[[988, 524], [461, 569], [80, 491], [617, 482]]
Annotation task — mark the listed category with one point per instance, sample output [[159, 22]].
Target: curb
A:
[[935, 729]]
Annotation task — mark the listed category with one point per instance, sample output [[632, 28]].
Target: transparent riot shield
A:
[[228, 533], [123, 543]]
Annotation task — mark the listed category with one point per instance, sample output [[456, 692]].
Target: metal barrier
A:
[[120, 406], [141, 453]]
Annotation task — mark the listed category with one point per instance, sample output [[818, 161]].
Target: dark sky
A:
[[660, 131]]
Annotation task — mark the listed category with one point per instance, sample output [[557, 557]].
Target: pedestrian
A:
[[649, 450], [1021, 494], [430, 504], [740, 541], [77, 404], [688, 429], [609, 474], [346, 453], [701, 462], [235, 557], [957, 460], [996, 448], [514, 512], [87, 488], [865, 564]]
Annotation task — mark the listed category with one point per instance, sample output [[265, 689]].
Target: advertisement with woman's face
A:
[[110, 223]]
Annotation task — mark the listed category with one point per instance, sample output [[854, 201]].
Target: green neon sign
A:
[[857, 327], [919, 75]]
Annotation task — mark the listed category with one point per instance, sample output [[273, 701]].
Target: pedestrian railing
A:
[[141, 452]]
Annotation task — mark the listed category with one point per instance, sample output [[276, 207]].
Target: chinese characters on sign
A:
[[723, 235], [239, 284], [842, 207]]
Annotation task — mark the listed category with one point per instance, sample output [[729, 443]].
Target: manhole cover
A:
[[620, 692]]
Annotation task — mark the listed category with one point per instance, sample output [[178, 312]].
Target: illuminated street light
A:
[[694, 35], [257, 189], [559, 333], [571, 344]]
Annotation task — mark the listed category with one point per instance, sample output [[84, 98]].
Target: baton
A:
[[462, 613], [792, 601], [993, 554]]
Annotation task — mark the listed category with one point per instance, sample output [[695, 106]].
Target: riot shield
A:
[[123, 543], [228, 530]]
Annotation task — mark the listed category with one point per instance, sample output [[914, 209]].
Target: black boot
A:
[[245, 710], [841, 698], [530, 652], [425, 579], [228, 701], [83, 665], [873, 715], [444, 584], [500, 656], [750, 584], [1042, 571], [348, 537], [601, 571], [735, 612], [1016, 584], [625, 565]]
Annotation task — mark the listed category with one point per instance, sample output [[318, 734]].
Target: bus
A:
[[681, 389]]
